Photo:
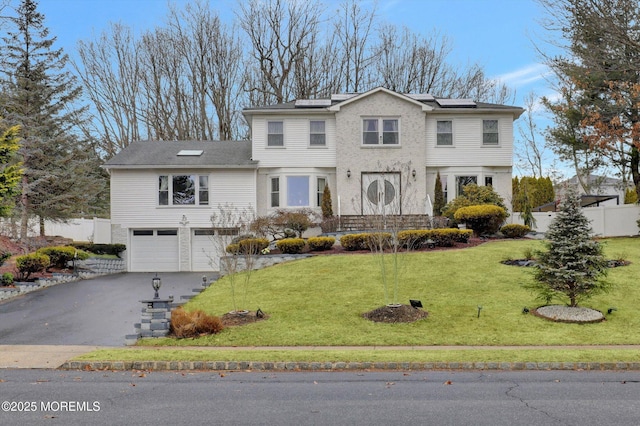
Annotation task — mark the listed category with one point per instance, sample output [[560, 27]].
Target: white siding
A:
[[296, 151], [467, 149]]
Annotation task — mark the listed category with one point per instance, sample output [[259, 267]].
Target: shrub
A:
[[472, 195], [4, 255], [31, 263], [329, 224], [248, 245], [463, 235], [320, 243], [194, 324], [483, 219], [514, 230], [414, 239], [378, 240], [327, 209], [445, 237], [352, 242], [290, 245], [60, 255], [7, 279], [109, 249], [297, 221]]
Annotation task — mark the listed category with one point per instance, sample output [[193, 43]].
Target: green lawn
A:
[[319, 301]]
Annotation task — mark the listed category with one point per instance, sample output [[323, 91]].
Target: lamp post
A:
[[156, 283]]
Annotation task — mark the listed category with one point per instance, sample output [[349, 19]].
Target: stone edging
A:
[[342, 366]]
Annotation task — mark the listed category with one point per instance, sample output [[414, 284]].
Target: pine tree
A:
[[10, 171], [573, 265], [438, 197], [327, 208], [40, 96]]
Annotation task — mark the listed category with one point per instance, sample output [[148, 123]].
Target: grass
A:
[[319, 302]]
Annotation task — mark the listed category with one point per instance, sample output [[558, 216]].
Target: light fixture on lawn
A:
[[156, 283], [348, 173], [415, 303]]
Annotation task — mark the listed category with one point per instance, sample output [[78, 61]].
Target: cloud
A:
[[524, 76]]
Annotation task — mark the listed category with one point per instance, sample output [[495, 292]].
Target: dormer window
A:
[[380, 131]]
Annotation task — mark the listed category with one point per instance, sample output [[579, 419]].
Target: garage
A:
[[154, 250], [204, 251]]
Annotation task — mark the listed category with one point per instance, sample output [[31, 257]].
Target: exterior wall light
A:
[[413, 173], [156, 283], [348, 173]]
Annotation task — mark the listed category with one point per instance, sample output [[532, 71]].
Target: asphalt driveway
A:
[[98, 311]]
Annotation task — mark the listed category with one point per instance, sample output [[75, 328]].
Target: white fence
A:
[[606, 221], [96, 230]]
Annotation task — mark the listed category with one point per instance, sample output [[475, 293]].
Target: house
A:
[[378, 151]]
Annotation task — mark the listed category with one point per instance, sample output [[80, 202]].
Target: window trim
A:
[[485, 133], [380, 132], [314, 196], [267, 144], [439, 145], [324, 133], [169, 191]]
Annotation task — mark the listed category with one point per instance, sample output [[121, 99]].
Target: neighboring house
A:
[[605, 191], [378, 151]]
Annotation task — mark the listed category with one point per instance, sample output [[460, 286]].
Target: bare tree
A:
[[532, 150]]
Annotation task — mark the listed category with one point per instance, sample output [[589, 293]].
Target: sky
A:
[[501, 35]]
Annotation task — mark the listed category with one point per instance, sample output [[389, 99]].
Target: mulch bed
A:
[[232, 319], [396, 314]]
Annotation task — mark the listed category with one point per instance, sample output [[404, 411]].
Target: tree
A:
[[438, 197], [532, 152], [602, 64], [473, 195], [573, 264], [39, 95], [327, 209], [10, 169]]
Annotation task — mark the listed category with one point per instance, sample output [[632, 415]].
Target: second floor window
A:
[[490, 132], [380, 131], [183, 190], [317, 135], [275, 133], [444, 133]]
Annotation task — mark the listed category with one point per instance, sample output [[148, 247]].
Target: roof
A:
[[426, 101], [195, 154]]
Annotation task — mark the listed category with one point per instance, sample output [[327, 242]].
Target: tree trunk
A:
[[24, 215]]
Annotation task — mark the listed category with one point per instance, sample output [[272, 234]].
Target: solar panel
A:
[[313, 102], [456, 103], [342, 96], [420, 96], [190, 152]]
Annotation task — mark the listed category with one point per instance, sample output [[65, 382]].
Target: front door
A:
[[381, 194]]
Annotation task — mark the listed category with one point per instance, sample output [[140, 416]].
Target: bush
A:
[[472, 195], [414, 239], [31, 263], [515, 230], [4, 256], [320, 243], [446, 237], [378, 240], [297, 221], [353, 242], [483, 219], [290, 245], [100, 249], [7, 279], [194, 323], [329, 224], [60, 255], [248, 245], [463, 235]]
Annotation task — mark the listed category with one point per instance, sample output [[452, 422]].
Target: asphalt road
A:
[[98, 311], [346, 398]]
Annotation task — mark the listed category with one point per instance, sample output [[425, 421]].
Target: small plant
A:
[[291, 245], [320, 243], [4, 256], [248, 245], [529, 253], [515, 230], [196, 323], [483, 219], [31, 263], [7, 279]]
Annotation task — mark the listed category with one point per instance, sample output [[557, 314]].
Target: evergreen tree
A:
[[10, 171], [327, 208], [438, 197], [40, 96], [574, 263]]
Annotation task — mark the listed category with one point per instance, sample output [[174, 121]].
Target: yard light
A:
[[156, 283], [415, 303], [479, 309], [611, 310]]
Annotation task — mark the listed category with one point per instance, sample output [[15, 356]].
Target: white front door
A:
[[381, 194]]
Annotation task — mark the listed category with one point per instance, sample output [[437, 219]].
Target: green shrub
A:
[[109, 249], [31, 263], [60, 255], [463, 235], [445, 237], [415, 238], [378, 240], [290, 245], [248, 245], [483, 219], [7, 279], [320, 243], [514, 230], [352, 242], [4, 256]]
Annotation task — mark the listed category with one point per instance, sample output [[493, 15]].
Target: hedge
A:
[[248, 246], [483, 219], [515, 230], [59, 256], [111, 249], [366, 241], [320, 243], [291, 245]]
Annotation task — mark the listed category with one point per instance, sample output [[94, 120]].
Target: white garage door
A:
[[204, 252], [154, 250]]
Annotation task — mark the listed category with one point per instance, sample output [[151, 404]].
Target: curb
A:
[[345, 366]]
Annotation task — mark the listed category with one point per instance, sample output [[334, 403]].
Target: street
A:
[[354, 398]]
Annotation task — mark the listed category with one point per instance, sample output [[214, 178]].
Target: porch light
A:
[[156, 283], [413, 173], [348, 173]]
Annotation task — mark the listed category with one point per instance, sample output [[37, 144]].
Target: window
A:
[[444, 133], [463, 181], [371, 134], [275, 192], [443, 181], [183, 190], [275, 133], [488, 181], [490, 132], [317, 135], [297, 191], [322, 182]]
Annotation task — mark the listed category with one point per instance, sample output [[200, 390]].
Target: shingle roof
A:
[[164, 154]]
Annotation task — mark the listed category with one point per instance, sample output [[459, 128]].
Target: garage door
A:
[[204, 252], [154, 250]]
